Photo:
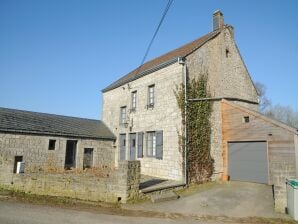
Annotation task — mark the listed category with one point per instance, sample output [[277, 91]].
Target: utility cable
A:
[[155, 33]]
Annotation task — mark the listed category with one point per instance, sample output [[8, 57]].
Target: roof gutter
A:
[[223, 98], [45, 133]]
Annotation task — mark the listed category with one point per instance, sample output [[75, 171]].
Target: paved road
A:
[[19, 213]]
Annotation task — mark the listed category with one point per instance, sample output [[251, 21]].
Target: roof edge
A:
[[216, 33], [143, 73], [50, 114], [212, 34], [263, 117], [66, 135]]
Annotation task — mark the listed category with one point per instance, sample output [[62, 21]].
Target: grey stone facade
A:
[[227, 77], [164, 116], [37, 156]]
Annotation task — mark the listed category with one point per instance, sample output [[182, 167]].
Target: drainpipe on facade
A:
[[184, 71]]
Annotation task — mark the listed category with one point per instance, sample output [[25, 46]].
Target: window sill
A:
[[132, 110], [124, 125], [150, 106]]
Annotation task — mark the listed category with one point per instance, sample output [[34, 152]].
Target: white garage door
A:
[[248, 161]]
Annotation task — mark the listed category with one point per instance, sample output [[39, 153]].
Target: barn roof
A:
[[27, 122]]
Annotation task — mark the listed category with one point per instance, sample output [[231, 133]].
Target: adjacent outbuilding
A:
[[51, 141], [258, 149]]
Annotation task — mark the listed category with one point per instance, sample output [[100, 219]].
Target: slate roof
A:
[[26, 122], [167, 58]]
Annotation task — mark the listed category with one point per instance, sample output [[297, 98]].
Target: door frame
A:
[[74, 154]]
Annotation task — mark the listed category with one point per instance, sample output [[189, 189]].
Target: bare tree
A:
[[284, 114], [264, 101]]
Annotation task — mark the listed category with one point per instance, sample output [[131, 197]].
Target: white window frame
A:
[[133, 100], [151, 144], [123, 112], [151, 95]]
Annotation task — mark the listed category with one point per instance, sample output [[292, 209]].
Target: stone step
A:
[[164, 196]]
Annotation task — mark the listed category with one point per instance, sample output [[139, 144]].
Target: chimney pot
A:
[[218, 20]]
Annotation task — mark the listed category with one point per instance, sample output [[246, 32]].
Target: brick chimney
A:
[[218, 20]]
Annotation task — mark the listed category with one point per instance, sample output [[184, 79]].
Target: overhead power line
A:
[[155, 33]]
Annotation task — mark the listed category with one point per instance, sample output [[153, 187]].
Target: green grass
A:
[[195, 188], [51, 200]]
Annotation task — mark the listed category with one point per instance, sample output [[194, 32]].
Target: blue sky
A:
[[56, 55]]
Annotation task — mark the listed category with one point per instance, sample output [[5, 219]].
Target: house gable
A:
[[228, 76]]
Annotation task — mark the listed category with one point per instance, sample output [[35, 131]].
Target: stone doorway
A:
[[70, 155]]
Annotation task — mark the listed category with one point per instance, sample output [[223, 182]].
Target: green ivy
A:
[[199, 160]]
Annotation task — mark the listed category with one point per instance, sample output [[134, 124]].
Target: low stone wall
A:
[[119, 185], [281, 171]]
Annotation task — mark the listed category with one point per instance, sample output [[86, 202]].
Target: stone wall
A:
[[36, 154], [281, 171], [227, 77], [164, 116], [121, 184]]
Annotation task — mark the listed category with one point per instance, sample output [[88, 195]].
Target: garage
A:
[[248, 161], [258, 149]]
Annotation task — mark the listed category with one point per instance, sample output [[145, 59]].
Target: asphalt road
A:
[[19, 213]]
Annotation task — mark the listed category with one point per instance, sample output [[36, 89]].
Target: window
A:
[[246, 119], [52, 144], [151, 96], [227, 53], [123, 115], [17, 166], [133, 101], [151, 144], [155, 144]]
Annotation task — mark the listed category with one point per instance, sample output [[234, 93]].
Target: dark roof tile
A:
[[19, 121]]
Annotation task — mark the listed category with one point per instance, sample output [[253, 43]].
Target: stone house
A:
[[139, 131], [141, 108]]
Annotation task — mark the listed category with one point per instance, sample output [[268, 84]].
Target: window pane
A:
[[151, 144], [123, 115], [133, 100], [151, 95]]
